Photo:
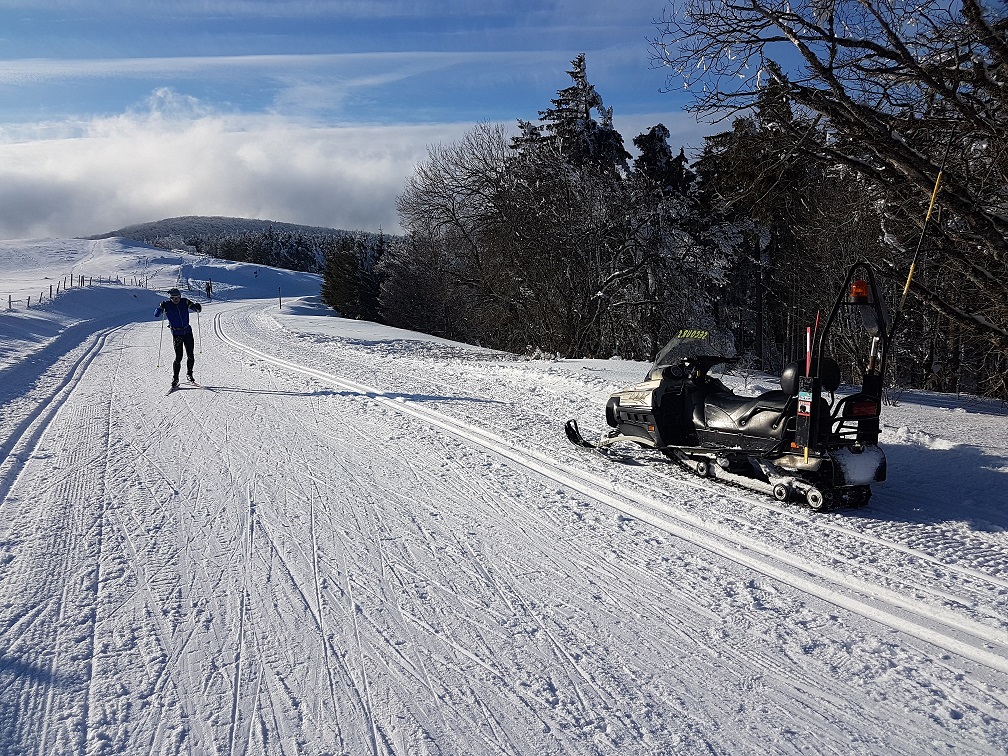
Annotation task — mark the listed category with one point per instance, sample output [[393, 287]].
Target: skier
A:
[[177, 311], [209, 290]]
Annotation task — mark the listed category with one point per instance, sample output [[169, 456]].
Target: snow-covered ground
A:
[[360, 540]]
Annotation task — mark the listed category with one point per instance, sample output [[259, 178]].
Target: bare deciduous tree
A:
[[898, 88]]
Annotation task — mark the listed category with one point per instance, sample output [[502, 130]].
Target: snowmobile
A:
[[792, 442]]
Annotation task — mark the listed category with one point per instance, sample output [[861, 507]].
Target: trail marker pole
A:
[[920, 240]]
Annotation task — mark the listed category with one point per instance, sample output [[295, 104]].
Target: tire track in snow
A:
[[942, 628]]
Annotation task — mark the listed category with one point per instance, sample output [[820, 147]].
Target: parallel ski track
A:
[[794, 519], [948, 630], [23, 439], [891, 561], [878, 556]]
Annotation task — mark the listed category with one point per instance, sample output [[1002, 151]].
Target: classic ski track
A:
[[23, 440], [931, 624], [102, 498], [800, 523], [80, 567]]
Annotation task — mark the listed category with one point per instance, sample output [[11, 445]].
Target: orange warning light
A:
[[859, 292]]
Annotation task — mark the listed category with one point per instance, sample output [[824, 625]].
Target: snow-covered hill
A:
[[355, 539], [188, 226]]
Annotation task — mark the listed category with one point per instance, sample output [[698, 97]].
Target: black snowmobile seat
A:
[[753, 415], [699, 388]]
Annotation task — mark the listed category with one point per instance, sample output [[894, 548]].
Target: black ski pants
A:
[[183, 340]]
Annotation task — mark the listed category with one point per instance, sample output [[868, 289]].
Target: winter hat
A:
[[174, 293]]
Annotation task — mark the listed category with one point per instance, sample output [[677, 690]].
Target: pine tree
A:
[[572, 129], [341, 278]]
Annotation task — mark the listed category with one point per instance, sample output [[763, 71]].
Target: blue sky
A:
[[307, 111]]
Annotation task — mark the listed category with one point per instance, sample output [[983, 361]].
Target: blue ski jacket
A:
[[178, 314]]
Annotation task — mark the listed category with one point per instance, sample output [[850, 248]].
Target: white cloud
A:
[[177, 156], [176, 159]]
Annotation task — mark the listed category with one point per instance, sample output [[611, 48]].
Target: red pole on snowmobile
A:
[[808, 350]]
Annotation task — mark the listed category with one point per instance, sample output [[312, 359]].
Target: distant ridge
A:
[[204, 225]]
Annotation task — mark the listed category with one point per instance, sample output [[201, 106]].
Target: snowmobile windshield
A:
[[691, 343]]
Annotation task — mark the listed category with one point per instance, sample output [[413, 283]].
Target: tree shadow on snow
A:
[[924, 485], [420, 398], [271, 392]]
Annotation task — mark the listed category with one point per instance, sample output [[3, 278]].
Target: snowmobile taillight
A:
[[859, 293], [863, 408]]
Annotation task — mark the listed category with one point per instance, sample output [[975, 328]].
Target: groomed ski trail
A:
[[951, 631], [291, 561]]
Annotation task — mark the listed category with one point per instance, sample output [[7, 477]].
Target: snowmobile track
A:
[[986, 645]]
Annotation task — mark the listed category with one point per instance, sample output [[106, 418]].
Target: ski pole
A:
[[199, 327], [160, 340]]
